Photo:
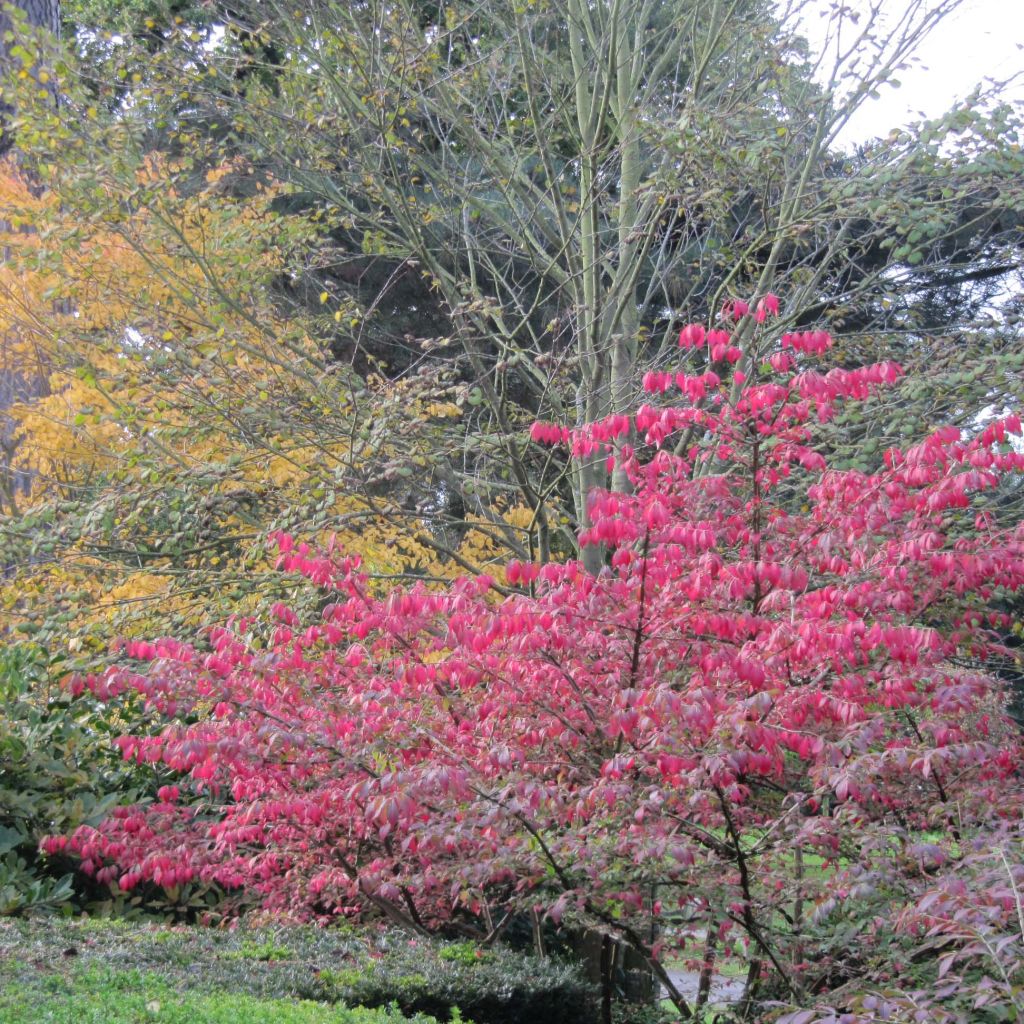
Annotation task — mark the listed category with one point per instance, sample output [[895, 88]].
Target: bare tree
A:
[[574, 180]]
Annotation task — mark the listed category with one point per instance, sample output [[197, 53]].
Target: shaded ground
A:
[[724, 990]]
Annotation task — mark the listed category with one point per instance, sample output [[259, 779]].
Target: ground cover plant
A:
[[116, 997], [780, 661], [113, 970]]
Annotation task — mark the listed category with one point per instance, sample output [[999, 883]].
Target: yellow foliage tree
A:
[[184, 416]]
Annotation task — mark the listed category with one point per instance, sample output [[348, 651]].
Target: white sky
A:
[[983, 39]]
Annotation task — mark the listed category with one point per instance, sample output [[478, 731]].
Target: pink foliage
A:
[[769, 637]]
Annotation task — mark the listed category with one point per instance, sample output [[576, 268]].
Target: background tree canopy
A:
[[481, 214]]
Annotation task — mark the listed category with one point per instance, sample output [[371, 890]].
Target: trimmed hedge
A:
[[487, 987], [94, 995]]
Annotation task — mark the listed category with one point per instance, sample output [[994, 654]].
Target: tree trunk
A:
[[44, 14], [15, 384]]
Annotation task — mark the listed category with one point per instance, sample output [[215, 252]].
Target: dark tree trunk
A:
[[619, 971], [40, 14], [607, 963], [15, 385]]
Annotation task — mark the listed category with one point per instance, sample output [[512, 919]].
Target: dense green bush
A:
[[58, 770], [52, 777]]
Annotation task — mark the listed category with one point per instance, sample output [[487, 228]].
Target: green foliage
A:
[[332, 965], [640, 1013], [493, 987], [58, 770], [464, 953], [268, 951], [22, 887], [98, 995]]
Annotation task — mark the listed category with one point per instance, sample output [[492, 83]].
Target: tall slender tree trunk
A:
[[17, 383]]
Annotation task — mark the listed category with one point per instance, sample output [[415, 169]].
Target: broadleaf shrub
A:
[[57, 771], [60, 770], [951, 954], [779, 686]]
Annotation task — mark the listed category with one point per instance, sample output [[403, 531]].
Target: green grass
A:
[[95, 995], [732, 968]]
